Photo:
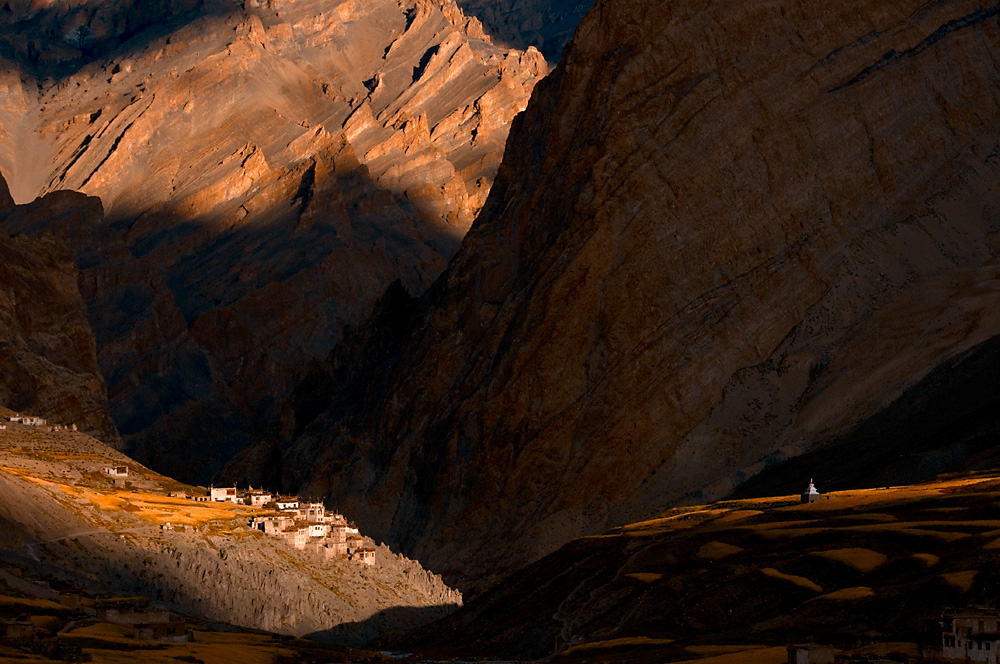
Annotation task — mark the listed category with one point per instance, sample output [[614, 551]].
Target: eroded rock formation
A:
[[267, 168], [48, 357], [722, 235]]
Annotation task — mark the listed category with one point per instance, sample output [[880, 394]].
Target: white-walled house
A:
[[971, 636], [260, 498], [223, 494]]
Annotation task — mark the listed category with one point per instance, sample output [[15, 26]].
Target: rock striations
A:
[[722, 235], [267, 168], [48, 357]]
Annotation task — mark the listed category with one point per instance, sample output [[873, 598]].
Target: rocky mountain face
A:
[[267, 168], [547, 25], [722, 235], [48, 357]]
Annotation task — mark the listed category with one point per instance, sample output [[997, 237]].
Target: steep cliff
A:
[[547, 25], [722, 235], [267, 168], [48, 358]]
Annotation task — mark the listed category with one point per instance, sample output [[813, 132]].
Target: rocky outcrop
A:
[[721, 236], [267, 169], [547, 25], [48, 358]]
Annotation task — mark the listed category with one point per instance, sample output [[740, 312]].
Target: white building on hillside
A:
[[260, 498], [971, 635], [223, 494]]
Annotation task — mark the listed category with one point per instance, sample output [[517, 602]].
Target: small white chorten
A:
[[811, 495]]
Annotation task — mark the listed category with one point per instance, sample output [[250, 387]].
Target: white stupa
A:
[[811, 495]]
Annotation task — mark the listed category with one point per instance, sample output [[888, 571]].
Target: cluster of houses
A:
[[33, 421], [303, 525], [308, 526]]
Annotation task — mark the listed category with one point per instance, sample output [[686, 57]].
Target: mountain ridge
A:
[[266, 170], [705, 251]]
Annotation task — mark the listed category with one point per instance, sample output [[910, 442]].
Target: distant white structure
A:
[[223, 494], [260, 498], [288, 503], [116, 471], [811, 495], [971, 636], [319, 529], [30, 420], [366, 556], [312, 512]]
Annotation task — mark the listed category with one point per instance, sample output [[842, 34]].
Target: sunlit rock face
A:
[[48, 357], [267, 167], [723, 234], [547, 25]]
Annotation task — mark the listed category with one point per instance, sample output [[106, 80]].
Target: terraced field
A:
[[857, 568]]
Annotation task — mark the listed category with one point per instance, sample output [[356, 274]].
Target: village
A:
[[303, 525], [39, 422], [970, 634]]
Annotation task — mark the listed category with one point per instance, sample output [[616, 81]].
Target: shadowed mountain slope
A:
[[48, 357], [547, 25], [722, 235], [267, 169]]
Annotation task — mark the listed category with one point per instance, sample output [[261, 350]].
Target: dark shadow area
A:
[[548, 25], [388, 624], [205, 325], [665, 584], [948, 422], [58, 41]]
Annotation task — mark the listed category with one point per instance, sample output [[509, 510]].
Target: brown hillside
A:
[[267, 169], [859, 567], [722, 236]]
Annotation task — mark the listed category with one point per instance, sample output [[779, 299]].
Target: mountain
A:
[[266, 170], [722, 236], [48, 357], [547, 25]]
